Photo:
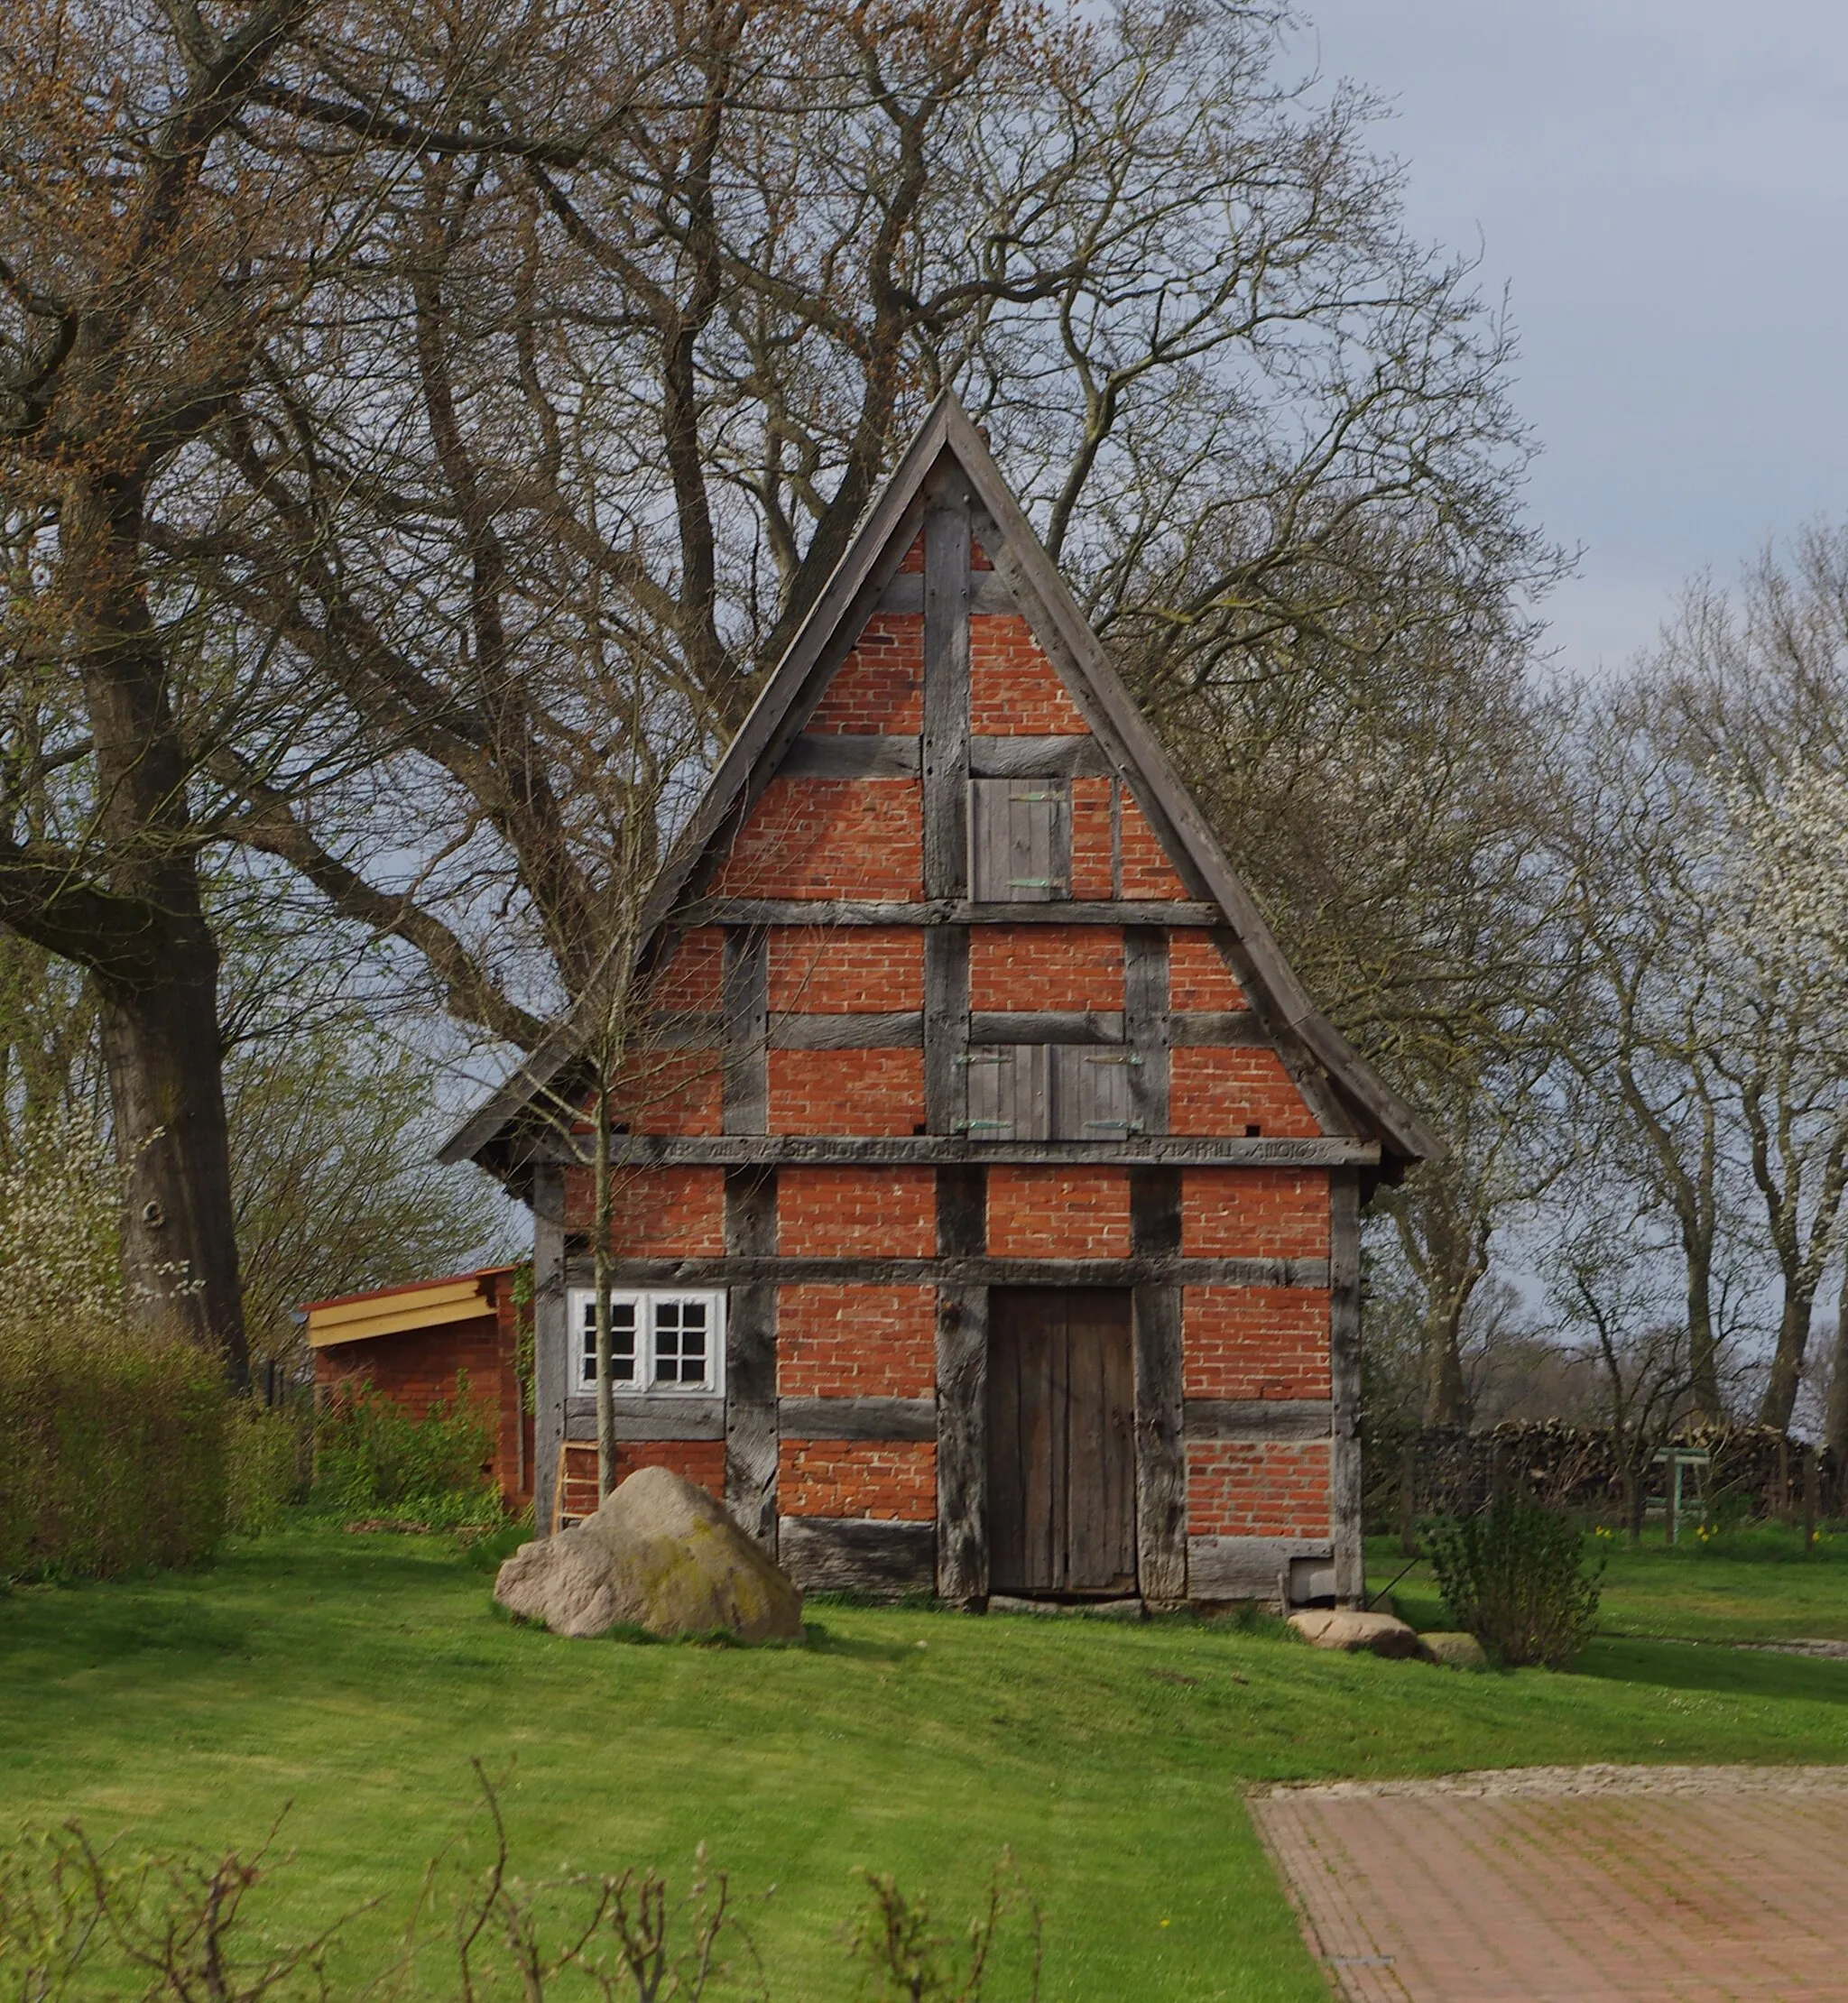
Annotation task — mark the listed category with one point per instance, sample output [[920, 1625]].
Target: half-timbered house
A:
[[997, 1229]]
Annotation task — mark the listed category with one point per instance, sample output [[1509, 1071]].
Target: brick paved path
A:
[[1574, 1885]]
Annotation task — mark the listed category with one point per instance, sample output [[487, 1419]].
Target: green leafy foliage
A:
[[373, 1456], [263, 1466], [112, 1450], [1516, 1576]]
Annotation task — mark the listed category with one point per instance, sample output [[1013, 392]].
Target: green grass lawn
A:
[[355, 1677], [1755, 1584]]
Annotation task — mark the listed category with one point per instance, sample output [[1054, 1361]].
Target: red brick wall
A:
[[700, 1462], [889, 1482], [691, 979], [1258, 1488], [845, 1092], [879, 687], [844, 970], [1254, 1213], [1255, 1342], [1045, 967], [1146, 870], [659, 1212], [1058, 1213], [1224, 1092], [857, 1212], [1197, 974], [417, 1370], [856, 1342], [1092, 840], [1014, 689], [829, 838], [670, 1091]]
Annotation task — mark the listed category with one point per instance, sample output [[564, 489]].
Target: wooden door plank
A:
[[1006, 1497]]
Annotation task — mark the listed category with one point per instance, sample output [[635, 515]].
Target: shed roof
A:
[[397, 1310]]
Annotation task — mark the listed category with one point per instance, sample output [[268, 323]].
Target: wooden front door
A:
[[1061, 1443]]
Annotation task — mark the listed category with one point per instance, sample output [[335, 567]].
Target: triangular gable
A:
[[1347, 1090]]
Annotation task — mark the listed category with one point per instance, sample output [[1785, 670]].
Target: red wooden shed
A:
[[409, 1343], [989, 1206]]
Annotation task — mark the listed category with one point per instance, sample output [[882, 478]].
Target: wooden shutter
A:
[[1021, 840], [1091, 1098], [1008, 1092]]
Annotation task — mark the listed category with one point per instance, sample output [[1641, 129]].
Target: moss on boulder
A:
[[660, 1555]]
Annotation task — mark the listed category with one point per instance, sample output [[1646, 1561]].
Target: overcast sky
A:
[[1661, 185]]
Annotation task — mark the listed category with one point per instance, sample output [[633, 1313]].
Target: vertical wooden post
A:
[[752, 1439], [1161, 1466], [1811, 1495], [1145, 1025], [551, 1357], [962, 1394], [1345, 1469], [944, 748], [945, 754], [744, 1073]]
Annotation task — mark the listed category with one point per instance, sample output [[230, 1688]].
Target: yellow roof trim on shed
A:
[[400, 1310]]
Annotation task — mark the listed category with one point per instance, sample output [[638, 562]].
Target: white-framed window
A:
[[659, 1342]]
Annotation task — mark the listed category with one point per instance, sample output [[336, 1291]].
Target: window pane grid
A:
[[658, 1342]]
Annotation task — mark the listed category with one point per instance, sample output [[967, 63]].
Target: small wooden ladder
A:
[[574, 1492]]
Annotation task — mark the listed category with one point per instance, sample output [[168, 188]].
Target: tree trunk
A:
[[1703, 1352], [1447, 1398], [1835, 1425], [1787, 1361], [159, 992], [167, 1099]]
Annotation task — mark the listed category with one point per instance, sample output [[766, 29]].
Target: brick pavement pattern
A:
[[1573, 1885]]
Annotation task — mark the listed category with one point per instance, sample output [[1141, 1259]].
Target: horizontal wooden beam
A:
[[1163, 1268], [857, 1418], [988, 593], [1173, 1151], [658, 1416], [818, 754], [1037, 758], [1045, 1025], [903, 1029], [837, 1554], [1245, 1568], [1259, 1418], [828, 911]]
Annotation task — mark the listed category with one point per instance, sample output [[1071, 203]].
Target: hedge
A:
[[111, 1452]]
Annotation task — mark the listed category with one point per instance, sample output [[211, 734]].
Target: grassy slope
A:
[[355, 1676]]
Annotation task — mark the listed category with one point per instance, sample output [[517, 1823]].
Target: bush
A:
[[112, 1450], [263, 1471], [372, 1455], [1515, 1577]]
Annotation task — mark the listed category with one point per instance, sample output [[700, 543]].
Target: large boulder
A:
[[659, 1554], [1378, 1634]]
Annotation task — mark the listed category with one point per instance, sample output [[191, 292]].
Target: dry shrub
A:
[[112, 1449]]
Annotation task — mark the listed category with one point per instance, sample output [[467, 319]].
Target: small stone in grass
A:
[[1456, 1651]]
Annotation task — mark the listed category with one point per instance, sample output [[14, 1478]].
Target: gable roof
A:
[[795, 686]]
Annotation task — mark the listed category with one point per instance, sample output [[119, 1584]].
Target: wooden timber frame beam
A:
[[957, 1269], [1346, 1474], [925, 1150], [961, 1545]]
